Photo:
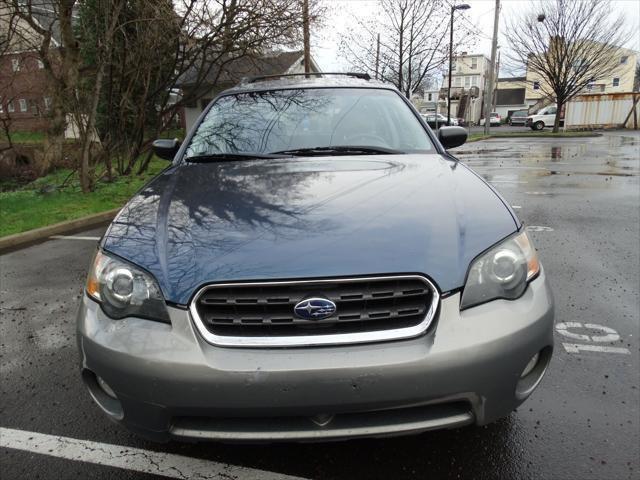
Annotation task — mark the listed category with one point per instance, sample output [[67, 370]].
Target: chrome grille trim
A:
[[316, 340]]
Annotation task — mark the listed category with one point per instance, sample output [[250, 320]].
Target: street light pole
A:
[[462, 6]]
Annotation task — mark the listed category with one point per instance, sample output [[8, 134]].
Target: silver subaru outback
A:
[[313, 265]]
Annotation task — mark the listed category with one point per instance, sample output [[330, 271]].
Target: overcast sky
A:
[[341, 13]]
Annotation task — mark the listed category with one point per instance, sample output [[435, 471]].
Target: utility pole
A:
[[377, 56], [488, 94], [306, 36], [450, 67]]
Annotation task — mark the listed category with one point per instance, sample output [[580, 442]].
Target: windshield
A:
[[279, 120]]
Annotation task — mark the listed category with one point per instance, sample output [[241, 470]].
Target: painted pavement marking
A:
[[134, 459], [609, 336]]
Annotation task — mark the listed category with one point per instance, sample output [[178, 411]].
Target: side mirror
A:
[[165, 148], [451, 137]]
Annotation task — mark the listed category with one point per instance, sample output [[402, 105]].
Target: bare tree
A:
[[187, 37], [8, 37], [48, 28], [413, 42], [113, 63], [568, 44]]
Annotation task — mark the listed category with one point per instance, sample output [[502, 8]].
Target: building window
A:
[[616, 81], [475, 81], [474, 63], [536, 85], [23, 105], [624, 59], [47, 104], [15, 64], [40, 64], [453, 66], [429, 97], [467, 82], [457, 82], [10, 107]]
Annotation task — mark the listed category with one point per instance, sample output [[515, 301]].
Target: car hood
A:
[[308, 218]]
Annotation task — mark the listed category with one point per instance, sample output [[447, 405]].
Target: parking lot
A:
[[579, 198]]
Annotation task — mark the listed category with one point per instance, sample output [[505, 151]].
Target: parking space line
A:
[[516, 206], [578, 347], [508, 181], [135, 459], [71, 237]]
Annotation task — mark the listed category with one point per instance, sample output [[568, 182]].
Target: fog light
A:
[[106, 388], [530, 366]]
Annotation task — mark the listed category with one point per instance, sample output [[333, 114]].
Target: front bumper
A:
[[170, 383]]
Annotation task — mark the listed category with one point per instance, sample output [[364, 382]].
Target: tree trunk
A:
[[85, 177], [54, 140], [556, 123]]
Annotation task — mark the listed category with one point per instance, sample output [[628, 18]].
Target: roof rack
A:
[[362, 76]]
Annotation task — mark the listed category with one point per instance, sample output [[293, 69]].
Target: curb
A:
[[23, 239]]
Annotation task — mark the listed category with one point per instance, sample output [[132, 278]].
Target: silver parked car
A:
[[313, 265]]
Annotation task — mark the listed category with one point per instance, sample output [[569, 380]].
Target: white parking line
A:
[[508, 181], [578, 347], [71, 237], [135, 459], [516, 206]]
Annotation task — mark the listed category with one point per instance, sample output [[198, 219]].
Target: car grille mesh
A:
[[267, 309]]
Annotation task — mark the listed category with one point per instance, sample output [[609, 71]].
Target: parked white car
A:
[[494, 119], [545, 117]]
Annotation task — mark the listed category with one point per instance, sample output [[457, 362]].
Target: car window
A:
[[271, 121]]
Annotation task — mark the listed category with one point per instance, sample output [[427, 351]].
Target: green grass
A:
[[23, 137], [42, 203], [474, 137]]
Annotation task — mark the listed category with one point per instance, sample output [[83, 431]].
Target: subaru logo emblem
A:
[[315, 308]]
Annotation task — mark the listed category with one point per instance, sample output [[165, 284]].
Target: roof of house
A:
[[247, 66]]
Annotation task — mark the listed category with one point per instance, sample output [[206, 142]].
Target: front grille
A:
[[265, 311]]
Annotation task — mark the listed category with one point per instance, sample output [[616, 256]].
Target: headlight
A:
[[502, 272], [124, 290]]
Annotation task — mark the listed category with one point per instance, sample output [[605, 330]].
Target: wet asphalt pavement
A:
[[580, 198]]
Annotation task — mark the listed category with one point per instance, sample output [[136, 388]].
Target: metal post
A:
[[450, 64], [488, 94]]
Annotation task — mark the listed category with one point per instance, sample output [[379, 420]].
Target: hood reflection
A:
[[308, 217]]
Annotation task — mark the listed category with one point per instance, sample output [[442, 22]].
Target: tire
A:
[[539, 125], [510, 124]]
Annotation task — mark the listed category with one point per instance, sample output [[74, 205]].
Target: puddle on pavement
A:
[[610, 155]]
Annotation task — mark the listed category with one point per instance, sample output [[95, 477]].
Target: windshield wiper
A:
[[225, 157], [339, 150]]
